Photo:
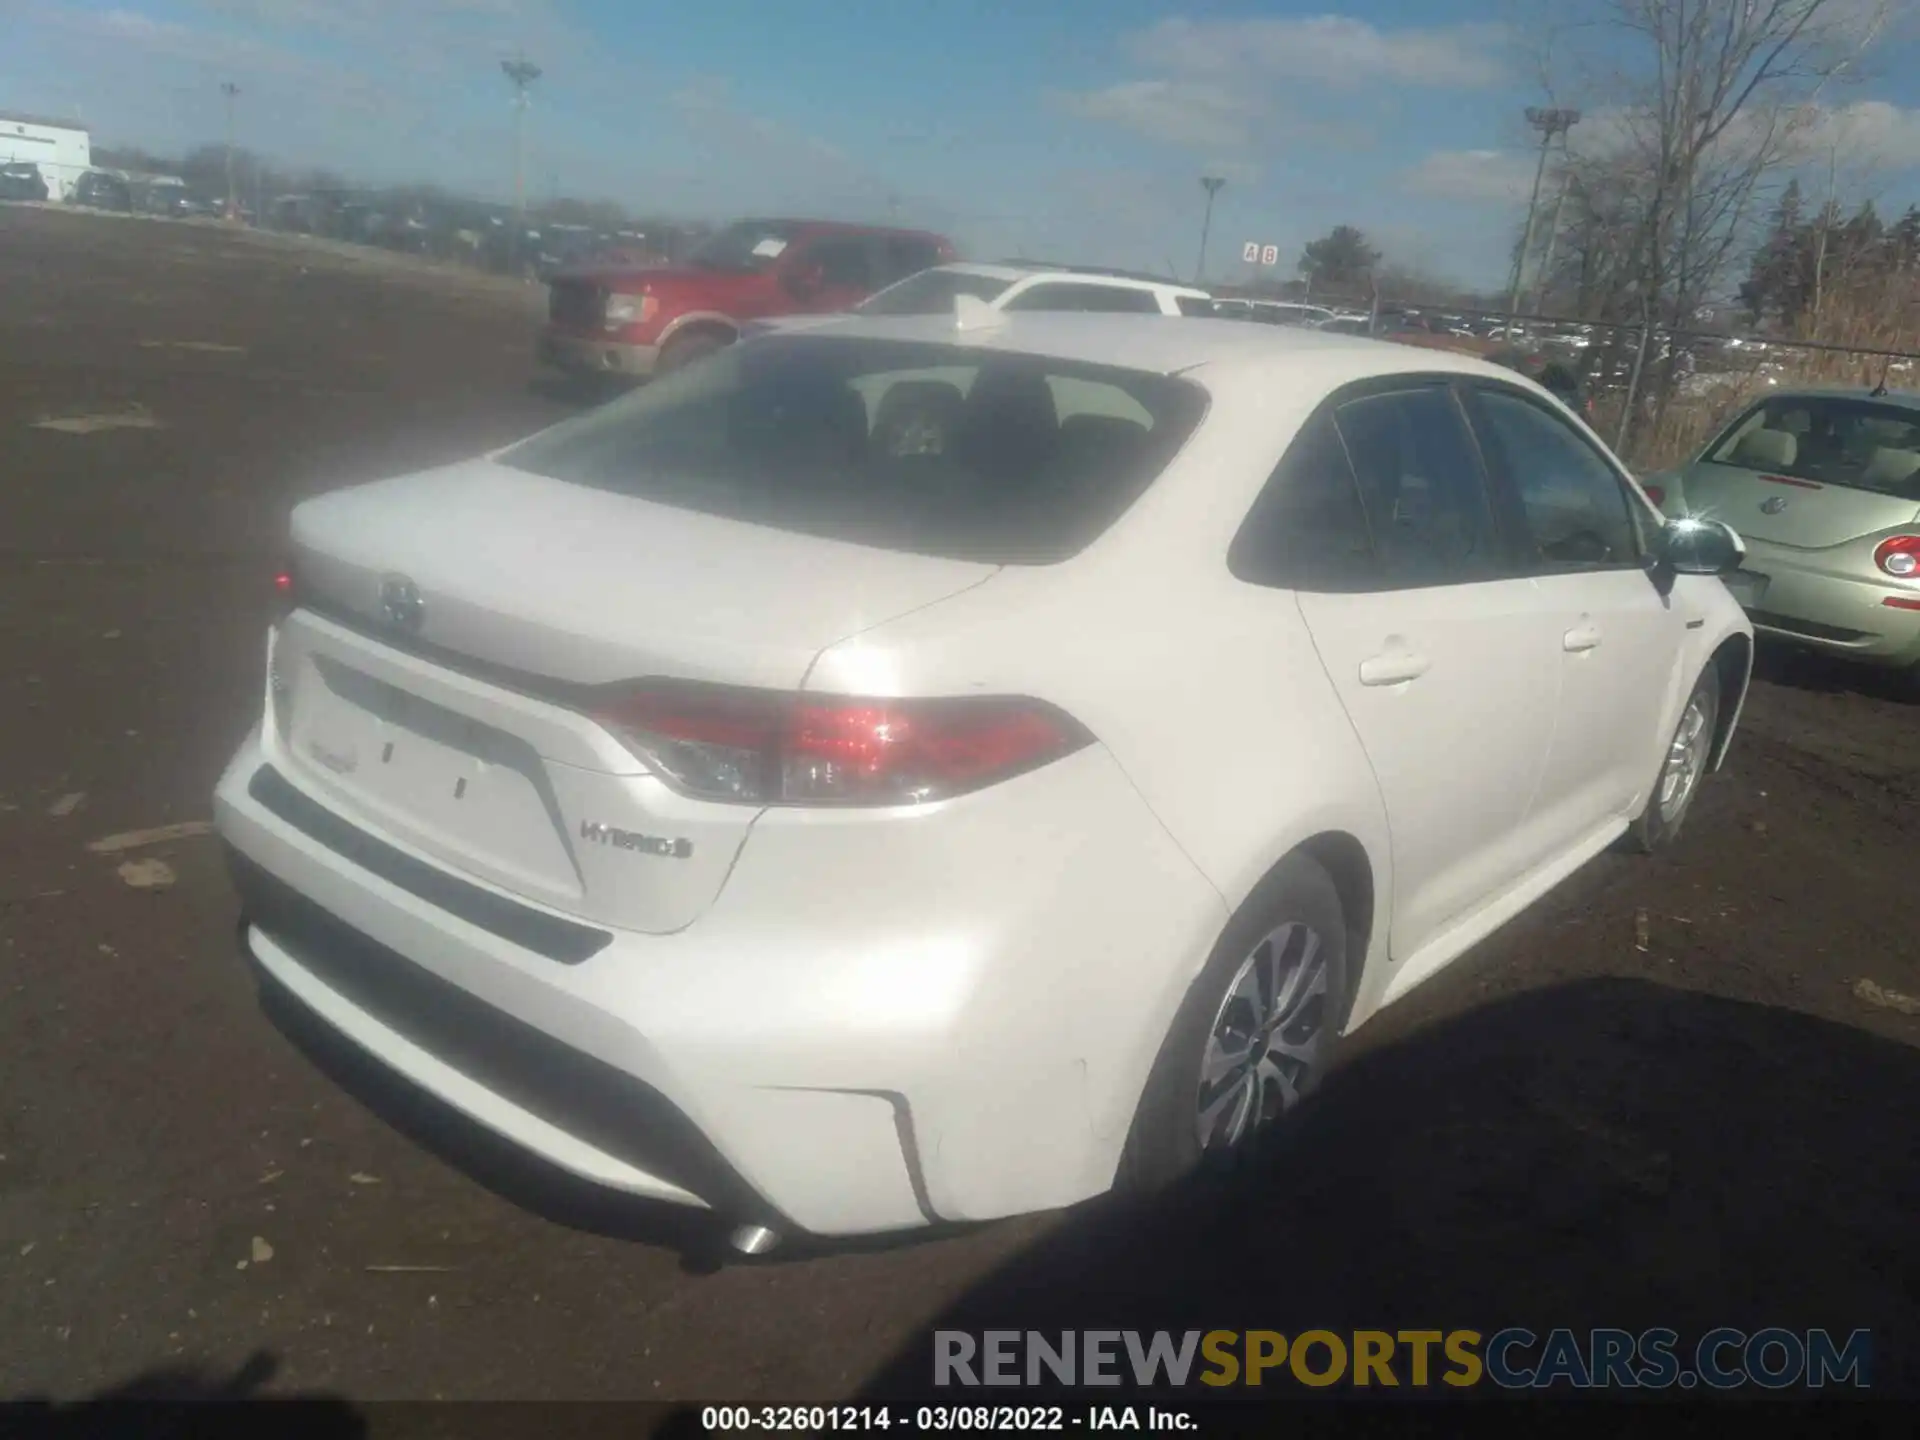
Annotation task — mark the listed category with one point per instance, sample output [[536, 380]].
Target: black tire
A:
[[1658, 826], [683, 350], [1164, 1143]]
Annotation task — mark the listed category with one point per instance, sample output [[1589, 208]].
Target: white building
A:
[[59, 147]]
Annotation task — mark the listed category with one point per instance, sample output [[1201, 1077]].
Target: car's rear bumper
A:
[[588, 355], [856, 1038], [1843, 614]]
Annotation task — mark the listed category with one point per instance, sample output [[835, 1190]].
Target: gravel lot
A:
[[1681, 1092]]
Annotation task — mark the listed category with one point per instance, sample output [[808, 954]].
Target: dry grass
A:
[[1885, 316]]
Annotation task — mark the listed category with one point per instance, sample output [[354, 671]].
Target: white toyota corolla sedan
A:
[[934, 768]]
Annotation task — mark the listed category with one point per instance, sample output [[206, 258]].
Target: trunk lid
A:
[[1782, 510], [448, 711]]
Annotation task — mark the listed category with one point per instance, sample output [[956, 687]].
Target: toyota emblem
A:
[[400, 603], [1773, 506]]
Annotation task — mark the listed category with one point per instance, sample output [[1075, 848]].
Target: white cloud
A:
[[1332, 50], [1867, 132], [1480, 176], [1180, 112], [1233, 84]]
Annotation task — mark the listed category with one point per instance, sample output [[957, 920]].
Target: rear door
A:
[[1619, 639], [848, 267], [1443, 657]]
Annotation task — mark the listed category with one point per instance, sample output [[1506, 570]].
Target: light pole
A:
[[1549, 123], [522, 72], [1211, 184], [1543, 277], [232, 92]]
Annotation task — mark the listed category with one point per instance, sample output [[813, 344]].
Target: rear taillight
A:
[[1899, 556], [1655, 493], [285, 591], [763, 748]]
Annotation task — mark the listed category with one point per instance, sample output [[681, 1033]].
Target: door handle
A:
[[1393, 668], [1583, 637]]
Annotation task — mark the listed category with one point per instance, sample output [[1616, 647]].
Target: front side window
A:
[[1110, 299], [1829, 439], [1573, 504], [745, 247], [1422, 486], [927, 448]]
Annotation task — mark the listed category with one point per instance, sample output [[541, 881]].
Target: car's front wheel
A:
[[685, 350], [1683, 766], [1256, 1032]]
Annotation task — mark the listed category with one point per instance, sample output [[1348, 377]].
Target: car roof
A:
[[1165, 345], [789, 222], [1014, 271], [1907, 399]]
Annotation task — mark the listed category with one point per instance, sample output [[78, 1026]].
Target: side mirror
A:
[[1694, 546]]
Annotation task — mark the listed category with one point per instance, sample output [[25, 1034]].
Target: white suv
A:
[[1016, 286], [932, 768]]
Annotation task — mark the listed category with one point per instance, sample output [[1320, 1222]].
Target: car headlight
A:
[[628, 310]]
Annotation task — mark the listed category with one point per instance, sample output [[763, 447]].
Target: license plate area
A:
[[1747, 587], [466, 791]]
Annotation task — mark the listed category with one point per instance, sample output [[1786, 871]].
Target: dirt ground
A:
[[1706, 1119]]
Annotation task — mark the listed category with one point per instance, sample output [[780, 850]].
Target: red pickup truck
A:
[[641, 321]]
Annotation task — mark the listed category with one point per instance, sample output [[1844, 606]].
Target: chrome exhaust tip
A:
[[753, 1239]]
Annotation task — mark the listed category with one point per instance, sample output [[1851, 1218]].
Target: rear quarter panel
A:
[[1207, 691]]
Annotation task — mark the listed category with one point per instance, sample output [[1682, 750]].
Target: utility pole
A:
[[232, 92], [1549, 123], [522, 72], [1211, 184]]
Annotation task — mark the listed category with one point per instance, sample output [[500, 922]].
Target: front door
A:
[[1620, 639]]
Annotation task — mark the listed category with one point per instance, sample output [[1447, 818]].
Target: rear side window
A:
[[843, 260], [1307, 531], [932, 449], [1422, 486], [1059, 295], [909, 255]]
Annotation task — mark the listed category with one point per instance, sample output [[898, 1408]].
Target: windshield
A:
[[749, 246], [1829, 439], [932, 449], [932, 292]]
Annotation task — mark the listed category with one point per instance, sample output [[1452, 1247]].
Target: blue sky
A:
[[1062, 128]]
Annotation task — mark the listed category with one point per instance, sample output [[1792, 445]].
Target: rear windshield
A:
[[1832, 439], [932, 292], [933, 449]]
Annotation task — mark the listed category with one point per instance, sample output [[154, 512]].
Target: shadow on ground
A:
[[187, 1400], [1609, 1153], [1831, 675]]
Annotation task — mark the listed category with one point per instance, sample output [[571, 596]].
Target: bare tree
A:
[[1693, 105]]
